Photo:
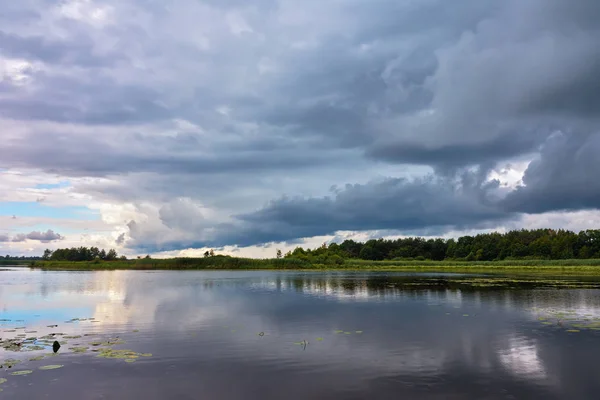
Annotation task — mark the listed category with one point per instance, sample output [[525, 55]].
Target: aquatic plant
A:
[[49, 367], [80, 349], [24, 372]]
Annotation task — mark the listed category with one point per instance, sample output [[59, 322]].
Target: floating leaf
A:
[[146, 354], [24, 372], [73, 337], [261, 334], [48, 367], [359, 332], [38, 358], [9, 363], [573, 330], [347, 333], [465, 315], [136, 330], [2, 380], [78, 349], [319, 339], [34, 348], [129, 360], [338, 331]]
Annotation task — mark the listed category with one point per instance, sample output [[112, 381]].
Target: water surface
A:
[[298, 335]]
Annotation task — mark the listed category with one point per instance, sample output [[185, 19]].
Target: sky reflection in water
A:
[[376, 335]]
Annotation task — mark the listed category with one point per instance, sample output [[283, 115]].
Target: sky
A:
[[170, 127]]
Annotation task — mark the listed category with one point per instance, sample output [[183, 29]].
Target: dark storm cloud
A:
[[564, 177], [229, 90], [44, 237], [454, 155], [393, 204], [430, 205]]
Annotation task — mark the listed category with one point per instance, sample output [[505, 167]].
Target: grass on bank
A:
[[232, 263]]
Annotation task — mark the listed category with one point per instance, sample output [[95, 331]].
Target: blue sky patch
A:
[[36, 209], [58, 185]]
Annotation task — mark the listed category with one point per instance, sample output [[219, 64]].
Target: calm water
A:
[[290, 335]]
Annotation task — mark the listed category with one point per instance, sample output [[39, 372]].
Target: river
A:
[[296, 335]]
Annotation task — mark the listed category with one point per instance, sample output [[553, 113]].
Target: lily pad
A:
[[34, 348], [339, 331], [9, 363], [359, 332], [136, 330], [465, 315], [573, 330], [319, 339], [49, 367], [129, 360], [38, 358], [24, 372], [2, 380], [122, 354], [78, 349], [347, 333]]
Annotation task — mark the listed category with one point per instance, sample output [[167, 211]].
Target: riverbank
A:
[[591, 267]]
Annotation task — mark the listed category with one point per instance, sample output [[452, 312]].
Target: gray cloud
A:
[[240, 104], [430, 205], [4, 238], [562, 178], [44, 237]]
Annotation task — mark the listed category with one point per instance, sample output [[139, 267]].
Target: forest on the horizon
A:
[[538, 244], [545, 244]]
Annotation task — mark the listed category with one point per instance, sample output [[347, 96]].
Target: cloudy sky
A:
[[167, 127]]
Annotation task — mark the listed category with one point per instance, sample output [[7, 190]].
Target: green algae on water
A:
[[49, 367], [34, 348], [78, 349], [24, 372], [10, 362], [121, 354]]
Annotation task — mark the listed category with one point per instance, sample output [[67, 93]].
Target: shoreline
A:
[[561, 267]]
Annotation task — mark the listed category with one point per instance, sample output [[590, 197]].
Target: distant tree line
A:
[[81, 254], [19, 258], [546, 244]]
